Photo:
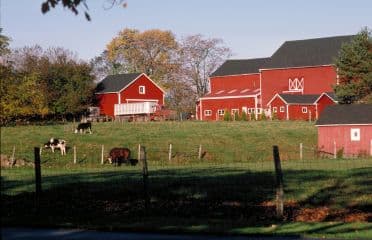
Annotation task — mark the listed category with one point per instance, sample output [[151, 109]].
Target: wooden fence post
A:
[[74, 154], [102, 153], [170, 153], [12, 160], [37, 176], [200, 152], [279, 183], [145, 174], [334, 149], [301, 154]]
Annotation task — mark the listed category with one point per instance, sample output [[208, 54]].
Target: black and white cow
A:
[[54, 143], [84, 127]]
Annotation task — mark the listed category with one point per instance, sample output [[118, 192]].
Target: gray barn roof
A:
[[346, 114], [114, 83], [240, 66], [304, 99], [309, 52]]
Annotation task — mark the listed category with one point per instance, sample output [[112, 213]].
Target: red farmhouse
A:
[[299, 107], [128, 94], [347, 128], [301, 67]]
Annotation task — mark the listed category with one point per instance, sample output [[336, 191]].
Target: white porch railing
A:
[[134, 108]]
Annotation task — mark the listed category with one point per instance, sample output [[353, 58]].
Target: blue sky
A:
[[250, 28]]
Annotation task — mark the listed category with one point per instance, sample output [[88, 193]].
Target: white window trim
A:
[[142, 87], [355, 134], [221, 112], [234, 110], [207, 112], [275, 109], [304, 109], [282, 109]]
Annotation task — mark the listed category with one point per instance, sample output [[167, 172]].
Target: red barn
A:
[[299, 107], [346, 128], [128, 94], [234, 87], [302, 67]]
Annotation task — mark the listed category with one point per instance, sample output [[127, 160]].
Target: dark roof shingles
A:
[[240, 66], [114, 83], [308, 52], [305, 99], [346, 114]]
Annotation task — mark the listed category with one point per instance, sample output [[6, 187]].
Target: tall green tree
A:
[[4, 44], [354, 66]]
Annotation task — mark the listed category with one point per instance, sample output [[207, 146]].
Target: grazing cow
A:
[[120, 155], [56, 143], [84, 127]]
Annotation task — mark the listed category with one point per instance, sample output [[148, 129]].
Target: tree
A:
[[354, 65], [102, 66], [73, 5], [4, 44], [152, 52], [199, 58]]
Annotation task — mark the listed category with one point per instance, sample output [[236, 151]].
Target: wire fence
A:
[[189, 180]]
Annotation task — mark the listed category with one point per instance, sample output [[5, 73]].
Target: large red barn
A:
[[346, 128], [128, 94], [301, 67]]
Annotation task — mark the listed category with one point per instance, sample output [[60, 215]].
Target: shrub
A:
[[243, 116], [340, 153], [227, 115]]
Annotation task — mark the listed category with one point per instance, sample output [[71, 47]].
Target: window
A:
[[207, 112], [355, 134], [141, 89], [221, 112], [275, 109], [296, 84], [258, 110], [282, 109], [304, 109]]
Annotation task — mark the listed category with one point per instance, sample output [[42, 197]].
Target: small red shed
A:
[[299, 107], [128, 94], [346, 128]]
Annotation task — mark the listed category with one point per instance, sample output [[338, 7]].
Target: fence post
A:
[[170, 153], [200, 152], [12, 160], [74, 154], [37, 176], [145, 174], [301, 147], [102, 153], [334, 149], [279, 183]]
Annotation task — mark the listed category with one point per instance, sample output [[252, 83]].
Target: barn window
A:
[[281, 109], [296, 84], [258, 110], [207, 112], [221, 112], [304, 109], [275, 109], [355, 134], [233, 111], [141, 89]]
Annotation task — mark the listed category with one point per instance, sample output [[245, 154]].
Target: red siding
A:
[[316, 80], [226, 104], [323, 102], [295, 112], [251, 81], [340, 134], [278, 102], [152, 92], [106, 103]]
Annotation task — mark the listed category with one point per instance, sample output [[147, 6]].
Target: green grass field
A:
[[230, 190]]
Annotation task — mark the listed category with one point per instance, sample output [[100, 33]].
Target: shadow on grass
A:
[[209, 200]]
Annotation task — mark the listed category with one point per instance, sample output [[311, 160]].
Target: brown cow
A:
[[119, 155]]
